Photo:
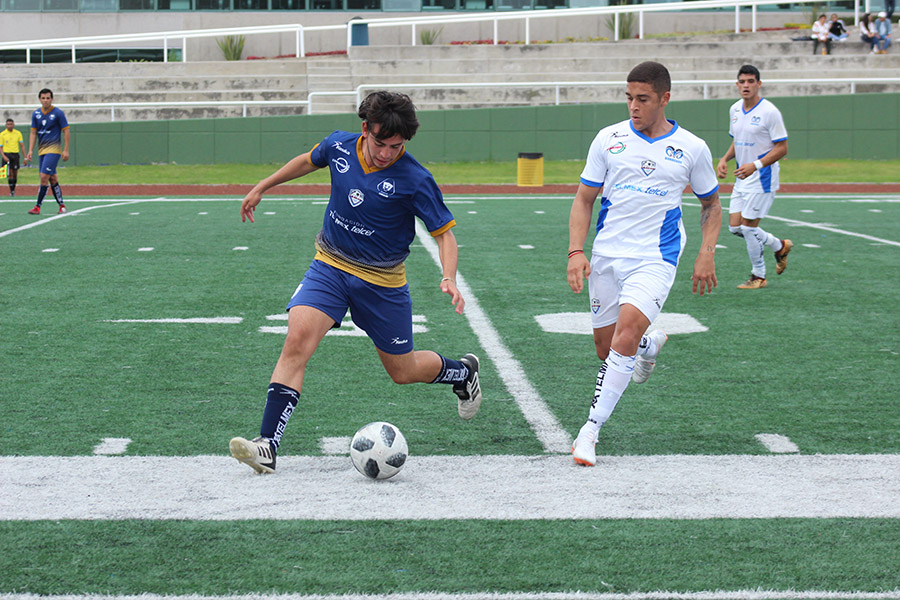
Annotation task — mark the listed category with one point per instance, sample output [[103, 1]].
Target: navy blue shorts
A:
[[48, 163], [384, 313]]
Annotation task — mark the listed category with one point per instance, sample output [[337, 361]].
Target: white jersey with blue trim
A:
[[755, 133], [643, 179]]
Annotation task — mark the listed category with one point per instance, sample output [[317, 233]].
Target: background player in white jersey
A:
[[759, 142], [377, 192], [642, 165]]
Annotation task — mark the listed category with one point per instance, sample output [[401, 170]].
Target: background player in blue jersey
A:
[[377, 192], [50, 128], [760, 140], [642, 165]]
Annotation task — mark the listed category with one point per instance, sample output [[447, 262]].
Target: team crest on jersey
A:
[[648, 166], [355, 197], [616, 148], [386, 187], [595, 305], [341, 164]]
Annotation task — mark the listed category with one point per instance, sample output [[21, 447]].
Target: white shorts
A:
[[751, 205], [642, 283]]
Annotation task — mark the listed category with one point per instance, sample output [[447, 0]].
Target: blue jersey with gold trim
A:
[[49, 130], [370, 219]]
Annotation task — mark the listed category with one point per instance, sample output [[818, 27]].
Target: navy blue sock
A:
[[42, 191], [280, 403], [57, 193], [452, 371]]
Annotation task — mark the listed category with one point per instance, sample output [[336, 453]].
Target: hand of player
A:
[[579, 268], [65, 155], [722, 169], [704, 275], [745, 171], [248, 205], [448, 286]]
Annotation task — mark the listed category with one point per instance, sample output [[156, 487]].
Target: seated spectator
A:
[[837, 31], [883, 32], [820, 31], [867, 32]]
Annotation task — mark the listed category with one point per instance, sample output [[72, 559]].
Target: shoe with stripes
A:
[[469, 391], [257, 453]]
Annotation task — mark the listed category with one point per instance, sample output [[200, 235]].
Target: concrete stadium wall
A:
[[859, 126]]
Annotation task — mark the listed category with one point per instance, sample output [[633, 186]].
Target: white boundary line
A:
[[539, 417], [46, 220], [656, 595]]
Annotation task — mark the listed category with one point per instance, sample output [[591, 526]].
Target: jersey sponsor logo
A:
[[356, 197], [674, 154], [616, 148], [52, 117], [341, 164], [648, 166], [340, 148], [386, 187], [650, 191], [755, 121], [595, 305]]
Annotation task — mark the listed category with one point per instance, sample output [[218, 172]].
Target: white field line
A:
[[452, 487], [71, 213], [544, 423], [821, 227], [200, 320], [657, 595]]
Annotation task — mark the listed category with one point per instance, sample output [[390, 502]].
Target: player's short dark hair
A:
[[10, 121], [749, 70], [45, 91], [394, 113], [653, 73]]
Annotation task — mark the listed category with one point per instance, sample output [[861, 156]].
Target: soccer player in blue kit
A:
[[377, 192], [50, 128], [642, 165]]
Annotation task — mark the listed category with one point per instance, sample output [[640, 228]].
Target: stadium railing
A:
[[300, 31], [358, 92]]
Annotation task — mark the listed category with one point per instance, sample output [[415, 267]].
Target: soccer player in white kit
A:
[[642, 165], [760, 140]]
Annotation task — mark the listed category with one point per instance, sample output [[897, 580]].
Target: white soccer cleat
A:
[[644, 365], [257, 453], [583, 448]]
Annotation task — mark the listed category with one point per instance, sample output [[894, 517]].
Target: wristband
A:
[[758, 164], [446, 279], [574, 252]]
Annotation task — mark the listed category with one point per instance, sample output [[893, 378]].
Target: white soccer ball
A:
[[378, 450]]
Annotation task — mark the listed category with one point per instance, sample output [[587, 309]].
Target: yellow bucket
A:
[[530, 169]]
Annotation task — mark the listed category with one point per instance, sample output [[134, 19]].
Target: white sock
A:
[[736, 230], [754, 236], [770, 240], [612, 380]]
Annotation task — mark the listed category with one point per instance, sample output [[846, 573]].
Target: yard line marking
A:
[[204, 320], [822, 227], [768, 486], [71, 213], [112, 446], [50, 250], [544, 423], [779, 444], [335, 445]]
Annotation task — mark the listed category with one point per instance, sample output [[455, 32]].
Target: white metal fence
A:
[[357, 94], [167, 38]]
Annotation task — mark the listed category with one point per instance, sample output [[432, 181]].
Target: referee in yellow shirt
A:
[[10, 143]]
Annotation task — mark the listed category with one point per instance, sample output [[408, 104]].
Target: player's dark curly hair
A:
[[394, 113], [653, 73], [749, 70]]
